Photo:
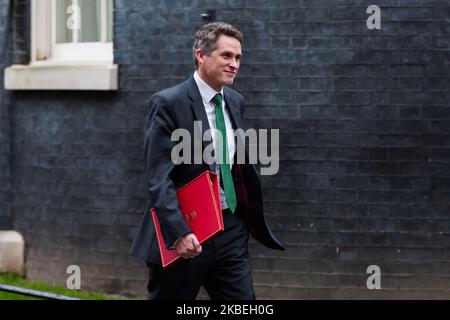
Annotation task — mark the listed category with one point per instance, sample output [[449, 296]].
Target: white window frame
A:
[[43, 39], [62, 66]]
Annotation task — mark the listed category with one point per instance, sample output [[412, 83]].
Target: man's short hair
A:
[[206, 37]]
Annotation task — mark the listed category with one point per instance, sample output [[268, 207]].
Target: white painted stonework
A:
[[12, 249], [61, 77]]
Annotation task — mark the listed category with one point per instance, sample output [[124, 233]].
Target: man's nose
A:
[[234, 63]]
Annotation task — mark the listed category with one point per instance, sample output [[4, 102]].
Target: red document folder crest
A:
[[199, 202]]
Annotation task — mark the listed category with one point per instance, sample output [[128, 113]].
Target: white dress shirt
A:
[[207, 93]]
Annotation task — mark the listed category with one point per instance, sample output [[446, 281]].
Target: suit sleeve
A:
[[157, 151]]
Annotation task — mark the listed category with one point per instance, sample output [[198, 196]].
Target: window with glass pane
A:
[[83, 21]]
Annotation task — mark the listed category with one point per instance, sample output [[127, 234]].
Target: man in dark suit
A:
[[221, 264]]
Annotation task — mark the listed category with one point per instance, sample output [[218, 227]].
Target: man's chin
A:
[[229, 82]]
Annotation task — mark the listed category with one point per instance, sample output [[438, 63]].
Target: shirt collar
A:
[[206, 91]]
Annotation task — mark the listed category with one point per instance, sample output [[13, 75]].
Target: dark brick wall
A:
[[365, 164], [363, 118], [5, 153], [20, 30]]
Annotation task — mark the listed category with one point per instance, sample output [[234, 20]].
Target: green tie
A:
[[225, 171]]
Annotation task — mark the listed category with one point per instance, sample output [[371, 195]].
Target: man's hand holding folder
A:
[[199, 202], [188, 246]]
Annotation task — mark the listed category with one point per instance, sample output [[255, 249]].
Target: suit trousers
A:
[[223, 268]]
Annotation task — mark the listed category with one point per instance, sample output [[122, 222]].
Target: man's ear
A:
[[200, 56]]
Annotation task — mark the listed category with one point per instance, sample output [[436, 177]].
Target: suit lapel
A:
[[197, 104], [235, 114], [199, 108], [199, 111], [200, 114], [233, 109]]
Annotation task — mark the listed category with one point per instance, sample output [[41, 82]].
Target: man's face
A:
[[220, 67]]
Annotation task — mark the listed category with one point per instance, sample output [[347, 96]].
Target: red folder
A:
[[199, 202]]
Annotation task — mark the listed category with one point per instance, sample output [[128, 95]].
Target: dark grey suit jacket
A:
[[179, 107]]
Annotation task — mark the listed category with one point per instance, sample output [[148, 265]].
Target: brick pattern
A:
[[363, 118], [364, 161], [5, 153]]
